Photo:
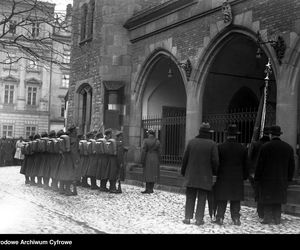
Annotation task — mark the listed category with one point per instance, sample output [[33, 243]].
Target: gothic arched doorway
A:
[[164, 107], [234, 86]]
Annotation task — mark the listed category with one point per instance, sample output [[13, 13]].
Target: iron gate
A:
[[171, 131]]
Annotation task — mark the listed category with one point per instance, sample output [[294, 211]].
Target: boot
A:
[[151, 186], [119, 190], [46, 182], [68, 189], [84, 182], [112, 186], [54, 185], [32, 181], [94, 183], [147, 188], [27, 180], [39, 184], [74, 192], [103, 187], [61, 187]]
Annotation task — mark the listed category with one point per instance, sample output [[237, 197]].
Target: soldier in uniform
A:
[[93, 161], [25, 162], [151, 161], [121, 152], [104, 169], [37, 161], [69, 163]]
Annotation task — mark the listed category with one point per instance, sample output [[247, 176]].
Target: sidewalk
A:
[[33, 210]]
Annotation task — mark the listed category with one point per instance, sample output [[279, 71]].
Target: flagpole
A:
[[268, 71]]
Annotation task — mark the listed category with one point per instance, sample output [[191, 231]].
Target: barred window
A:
[[84, 13], [65, 81]]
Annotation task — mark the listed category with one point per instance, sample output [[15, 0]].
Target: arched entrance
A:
[[234, 86], [164, 107]]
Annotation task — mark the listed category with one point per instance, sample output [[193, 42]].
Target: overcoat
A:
[[121, 155], [18, 154], [232, 171], [200, 162], [69, 162], [150, 158], [274, 170]]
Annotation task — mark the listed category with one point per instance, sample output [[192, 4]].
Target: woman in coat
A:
[[18, 155], [151, 161], [230, 176]]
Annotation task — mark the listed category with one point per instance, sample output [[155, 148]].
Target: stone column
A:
[[193, 113]]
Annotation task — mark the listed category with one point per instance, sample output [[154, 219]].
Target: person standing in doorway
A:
[[150, 158], [275, 168], [230, 176], [200, 163]]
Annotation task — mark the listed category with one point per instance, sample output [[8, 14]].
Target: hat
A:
[[99, 135], [108, 131], [44, 134], [90, 135], [205, 128], [52, 133], [71, 128], [119, 133], [275, 130], [59, 133], [151, 132], [232, 130]]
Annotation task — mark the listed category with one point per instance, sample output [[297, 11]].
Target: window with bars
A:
[[30, 130], [9, 91], [31, 96], [7, 130], [65, 81], [66, 57]]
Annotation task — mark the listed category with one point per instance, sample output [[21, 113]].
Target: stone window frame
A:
[[6, 130], [31, 90], [9, 91], [87, 21], [65, 80], [30, 130], [33, 83]]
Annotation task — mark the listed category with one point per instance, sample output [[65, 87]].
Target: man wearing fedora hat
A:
[[199, 164], [253, 154], [274, 170], [230, 176]]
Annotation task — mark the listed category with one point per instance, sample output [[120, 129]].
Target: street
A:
[[31, 210]]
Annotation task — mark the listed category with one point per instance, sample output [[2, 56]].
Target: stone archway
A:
[[233, 86], [161, 99]]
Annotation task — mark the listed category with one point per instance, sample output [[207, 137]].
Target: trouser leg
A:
[[260, 210], [221, 209], [151, 186], [276, 209], [112, 185], [235, 207], [191, 194], [268, 213], [202, 194], [27, 180], [93, 183]]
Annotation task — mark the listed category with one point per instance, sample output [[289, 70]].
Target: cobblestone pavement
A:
[[31, 210]]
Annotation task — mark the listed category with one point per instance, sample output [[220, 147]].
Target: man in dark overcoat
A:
[[200, 163], [253, 154], [230, 176], [274, 170]]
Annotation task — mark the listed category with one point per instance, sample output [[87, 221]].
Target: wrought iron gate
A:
[[171, 130]]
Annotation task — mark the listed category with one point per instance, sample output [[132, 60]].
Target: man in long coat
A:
[[274, 170], [230, 176], [151, 153], [200, 163], [253, 154]]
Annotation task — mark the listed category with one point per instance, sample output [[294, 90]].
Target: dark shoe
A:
[[104, 189], [27, 182], [277, 221], [199, 222], [219, 221], [95, 187], [32, 183], [113, 191], [187, 221], [119, 191], [68, 193], [236, 222], [86, 185], [266, 222], [145, 192]]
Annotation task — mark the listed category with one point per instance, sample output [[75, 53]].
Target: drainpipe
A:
[[50, 87]]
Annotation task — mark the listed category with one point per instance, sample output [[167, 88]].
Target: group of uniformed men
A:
[[69, 160]]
